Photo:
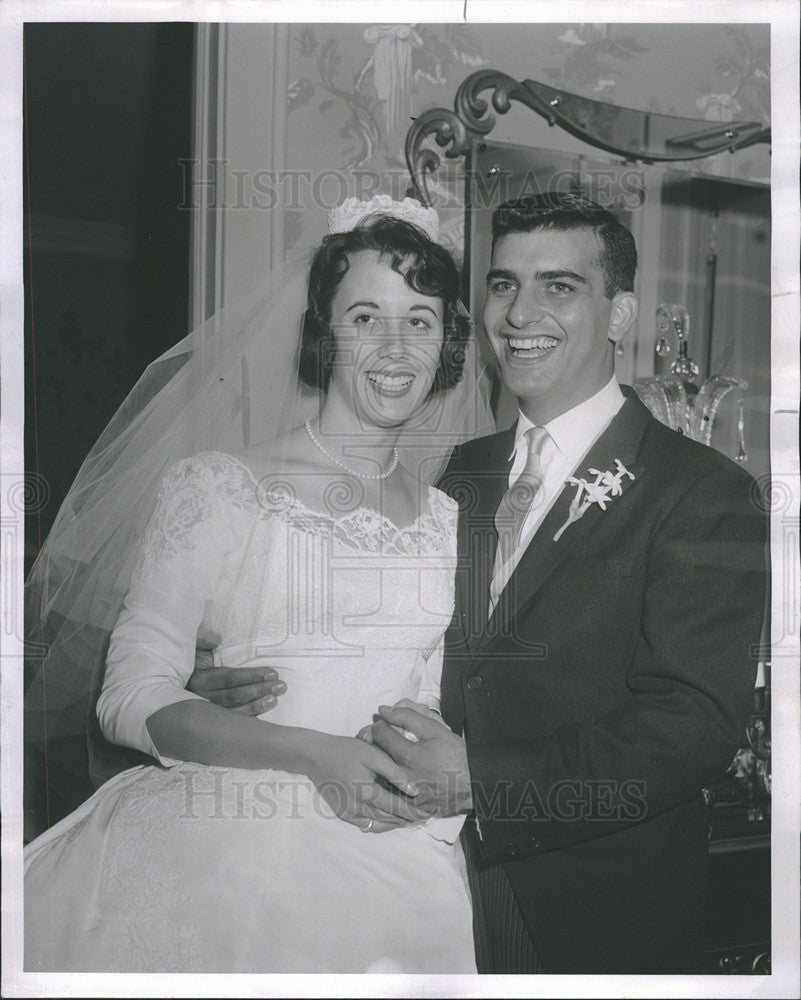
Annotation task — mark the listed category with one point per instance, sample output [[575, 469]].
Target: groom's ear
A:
[[622, 316]]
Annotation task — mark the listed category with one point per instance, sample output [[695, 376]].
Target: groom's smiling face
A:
[[549, 322]]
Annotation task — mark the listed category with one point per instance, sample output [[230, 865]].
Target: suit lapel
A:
[[620, 440]]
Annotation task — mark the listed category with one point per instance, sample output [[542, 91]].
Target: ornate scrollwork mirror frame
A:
[[471, 119]]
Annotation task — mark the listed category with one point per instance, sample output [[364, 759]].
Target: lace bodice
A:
[[348, 607], [200, 488]]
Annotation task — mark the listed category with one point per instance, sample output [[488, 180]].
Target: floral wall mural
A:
[[383, 73], [741, 86], [354, 88], [373, 83], [739, 89], [361, 84], [602, 61], [587, 56]]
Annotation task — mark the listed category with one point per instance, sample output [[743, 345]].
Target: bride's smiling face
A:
[[388, 340]]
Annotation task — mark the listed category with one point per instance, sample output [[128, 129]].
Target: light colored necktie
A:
[[519, 496]]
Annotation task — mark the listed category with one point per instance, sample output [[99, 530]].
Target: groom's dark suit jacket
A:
[[611, 684]]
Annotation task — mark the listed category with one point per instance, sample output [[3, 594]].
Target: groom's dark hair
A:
[[425, 266], [618, 257]]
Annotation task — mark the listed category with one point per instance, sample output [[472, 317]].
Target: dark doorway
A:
[[108, 118], [108, 115]]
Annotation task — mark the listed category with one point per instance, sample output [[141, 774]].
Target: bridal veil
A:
[[231, 384]]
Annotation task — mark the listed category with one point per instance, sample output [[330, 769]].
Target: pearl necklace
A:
[[360, 475]]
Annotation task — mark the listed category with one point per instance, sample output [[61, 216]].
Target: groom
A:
[[600, 665]]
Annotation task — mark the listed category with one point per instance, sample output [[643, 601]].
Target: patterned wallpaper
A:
[[358, 85], [369, 78]]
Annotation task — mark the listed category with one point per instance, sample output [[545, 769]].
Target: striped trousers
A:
[[503, 944]]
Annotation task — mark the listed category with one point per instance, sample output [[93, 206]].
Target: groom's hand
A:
[[248, 690], [366, 732], [436, 762]]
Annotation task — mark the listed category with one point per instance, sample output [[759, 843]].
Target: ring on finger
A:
[[368, 827]]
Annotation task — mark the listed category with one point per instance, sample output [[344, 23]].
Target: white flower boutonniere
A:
[[606, 486]]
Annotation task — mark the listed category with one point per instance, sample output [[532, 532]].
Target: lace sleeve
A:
[[152, 649]]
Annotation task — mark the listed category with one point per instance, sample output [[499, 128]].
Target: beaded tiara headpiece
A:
[[352, 211]]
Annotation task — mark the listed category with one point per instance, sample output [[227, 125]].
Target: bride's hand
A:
[[352, 777], [366, 732]]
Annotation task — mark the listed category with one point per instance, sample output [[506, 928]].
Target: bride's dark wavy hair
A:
[[425, 266]]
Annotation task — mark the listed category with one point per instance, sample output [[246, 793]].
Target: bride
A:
[[277, 843]]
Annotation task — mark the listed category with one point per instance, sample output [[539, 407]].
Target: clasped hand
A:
[[359, 782], [404, 768], [408, 768], [433, 757]]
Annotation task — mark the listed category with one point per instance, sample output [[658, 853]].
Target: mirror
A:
[[644, 136]]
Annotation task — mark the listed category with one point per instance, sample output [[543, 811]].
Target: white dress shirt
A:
[[571, 435]]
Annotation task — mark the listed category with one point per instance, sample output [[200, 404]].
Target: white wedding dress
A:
[[179, 867]]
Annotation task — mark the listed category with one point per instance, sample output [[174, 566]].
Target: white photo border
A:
[[782, 15]]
